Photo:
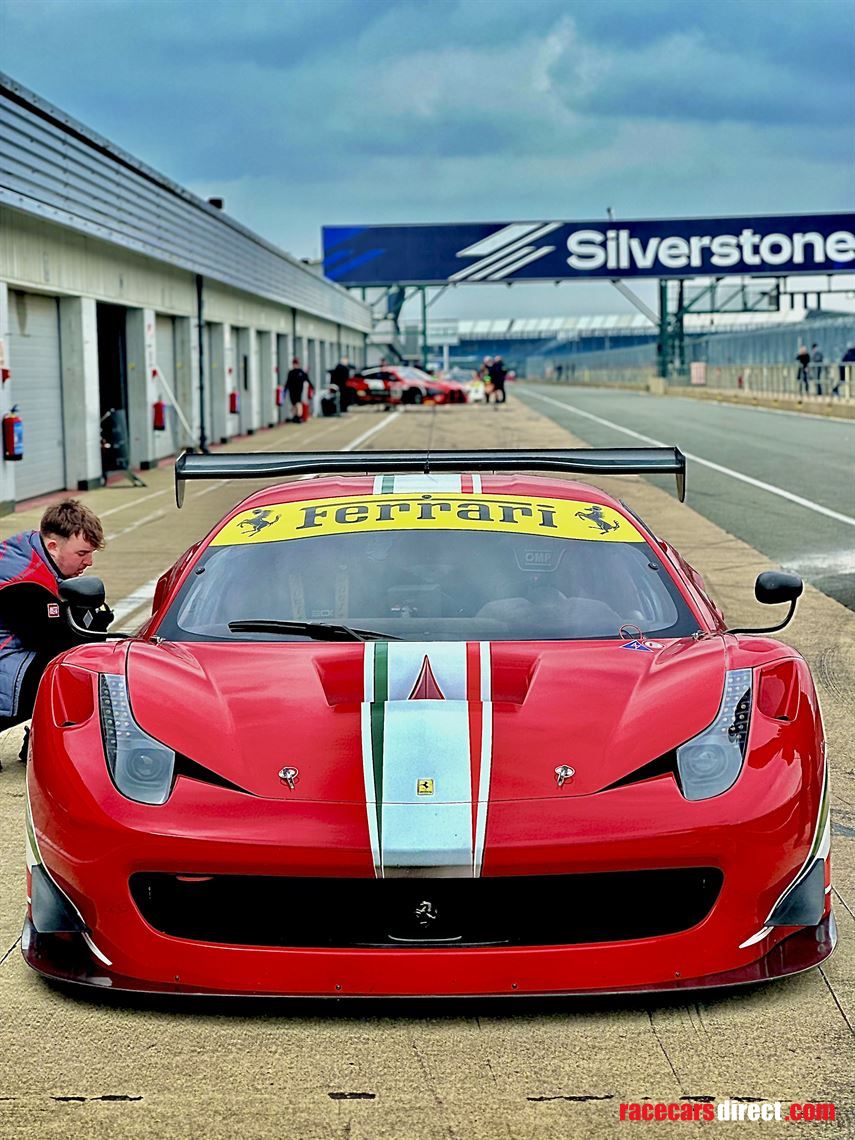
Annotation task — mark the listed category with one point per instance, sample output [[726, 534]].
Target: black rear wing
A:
[[576, 460]]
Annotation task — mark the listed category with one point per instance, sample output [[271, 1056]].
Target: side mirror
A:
[[87, 592], [772, 588]]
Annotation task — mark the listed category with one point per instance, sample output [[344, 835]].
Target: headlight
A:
[[709, 763], [141, 766]]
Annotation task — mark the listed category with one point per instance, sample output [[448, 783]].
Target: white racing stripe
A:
[[817, 508], [447, 662], [422, 763], [413, 484], [432, 834]]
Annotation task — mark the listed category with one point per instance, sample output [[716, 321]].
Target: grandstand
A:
[[550, 346]]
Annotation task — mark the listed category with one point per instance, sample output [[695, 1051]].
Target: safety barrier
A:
[[826, 383]]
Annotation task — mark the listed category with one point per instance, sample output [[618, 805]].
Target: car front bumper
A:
[[757, 837]]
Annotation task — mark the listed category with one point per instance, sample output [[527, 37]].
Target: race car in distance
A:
[[374, 386], [443, 729], [411, 386]]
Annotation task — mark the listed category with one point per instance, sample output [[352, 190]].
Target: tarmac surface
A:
[[754, 458], [107, 1066]]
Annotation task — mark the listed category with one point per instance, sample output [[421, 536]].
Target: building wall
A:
[[39, 258], [109, 252], [48, 258]]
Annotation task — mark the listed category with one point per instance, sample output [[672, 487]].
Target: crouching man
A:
[[33, 624]]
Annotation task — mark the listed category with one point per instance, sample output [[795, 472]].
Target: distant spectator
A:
[[339, 377], [559, 372], [484, 372], [803, 357], [847, 362], [297, 384], [817, 359], [498, 373]]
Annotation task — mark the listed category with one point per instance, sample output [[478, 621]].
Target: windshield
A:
[[398, 564]]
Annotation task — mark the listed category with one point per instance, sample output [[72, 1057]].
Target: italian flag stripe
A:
[[415, 484]]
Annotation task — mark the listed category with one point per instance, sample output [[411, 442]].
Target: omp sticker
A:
[[513, 514]]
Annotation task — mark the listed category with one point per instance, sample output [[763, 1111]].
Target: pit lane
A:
[[152, 1067]]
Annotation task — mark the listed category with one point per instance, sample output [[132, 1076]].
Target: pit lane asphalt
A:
[[809, 457], [102, 1067]]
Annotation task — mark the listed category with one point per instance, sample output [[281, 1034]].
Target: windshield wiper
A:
[[318, 630]]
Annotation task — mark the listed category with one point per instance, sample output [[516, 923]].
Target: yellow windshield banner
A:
[[511, 514]]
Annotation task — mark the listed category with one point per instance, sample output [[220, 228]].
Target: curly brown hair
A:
[[71, 517]]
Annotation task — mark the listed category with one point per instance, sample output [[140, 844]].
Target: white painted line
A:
[[831, 562], [309, 439], [142, 596], [211, 487], [387, 419], [132, 503], [133, 620], [779, 491], [133, 526]]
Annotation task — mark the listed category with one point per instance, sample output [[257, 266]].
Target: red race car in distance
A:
[[440, 729], [374, 386], [411, 385]]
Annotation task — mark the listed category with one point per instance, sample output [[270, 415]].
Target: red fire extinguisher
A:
[[13, 435], [234, 402], [280, 395], [159, 415]]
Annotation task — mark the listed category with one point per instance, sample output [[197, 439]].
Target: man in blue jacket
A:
[[33, 626]]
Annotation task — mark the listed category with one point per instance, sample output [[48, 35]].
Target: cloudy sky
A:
[[305, 112]]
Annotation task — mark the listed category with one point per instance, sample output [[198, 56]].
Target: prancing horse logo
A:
[[594, 515], [261, 517], [426, 913]]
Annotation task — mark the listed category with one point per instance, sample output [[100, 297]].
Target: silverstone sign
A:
[[559, 251]]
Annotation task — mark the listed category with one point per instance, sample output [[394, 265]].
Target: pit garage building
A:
[[106, 268]]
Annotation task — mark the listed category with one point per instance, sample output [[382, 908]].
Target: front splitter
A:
[[68, 959]]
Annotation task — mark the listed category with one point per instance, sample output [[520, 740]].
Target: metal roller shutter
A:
[[34, 354]]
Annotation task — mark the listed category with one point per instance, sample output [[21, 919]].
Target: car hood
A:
[[477, 720]]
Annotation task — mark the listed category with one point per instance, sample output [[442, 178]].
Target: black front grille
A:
[[544, 910]]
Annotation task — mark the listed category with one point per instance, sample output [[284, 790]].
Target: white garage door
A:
[[35, 359], [164, 441]]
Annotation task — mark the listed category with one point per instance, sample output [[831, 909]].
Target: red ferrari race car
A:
[[408, 385], [374, 386], [424, 732]]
